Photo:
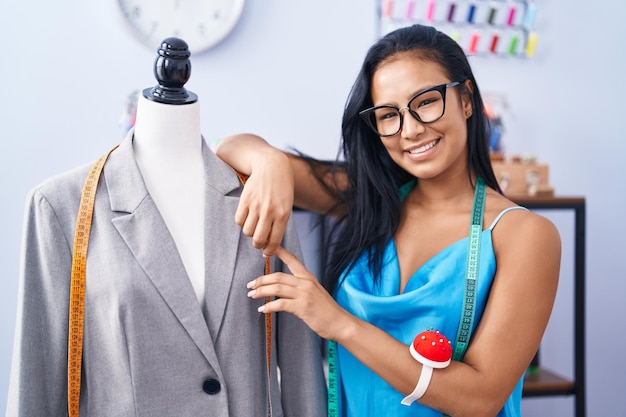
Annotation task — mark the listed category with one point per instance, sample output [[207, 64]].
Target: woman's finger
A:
[[293, 263], [261, 233], [275, 306], [276, 234], [249, 227], [242, 213], [274, 285]]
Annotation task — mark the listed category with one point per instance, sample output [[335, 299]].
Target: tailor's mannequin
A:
[[168, 149]]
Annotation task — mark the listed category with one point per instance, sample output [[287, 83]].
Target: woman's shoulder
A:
[[521, 227]]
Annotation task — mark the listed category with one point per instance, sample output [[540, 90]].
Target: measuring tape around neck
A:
[[77, 293], [469, 303], [471, 272]]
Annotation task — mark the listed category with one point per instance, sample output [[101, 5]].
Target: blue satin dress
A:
[[432, 299]]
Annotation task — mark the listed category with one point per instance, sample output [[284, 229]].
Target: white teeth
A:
[[424, 148]]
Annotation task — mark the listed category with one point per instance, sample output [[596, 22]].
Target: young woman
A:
[[415, 175]]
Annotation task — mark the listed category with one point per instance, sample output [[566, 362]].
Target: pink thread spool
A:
[[388, 8], [430, 11], [511, 19], [409, 10]]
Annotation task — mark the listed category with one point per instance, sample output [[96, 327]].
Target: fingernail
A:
[[250, 284], [261, 309], [251, 293]]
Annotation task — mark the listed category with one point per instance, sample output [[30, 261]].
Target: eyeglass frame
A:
[[442, 88]]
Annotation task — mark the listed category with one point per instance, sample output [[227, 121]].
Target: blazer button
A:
[[211, 386]]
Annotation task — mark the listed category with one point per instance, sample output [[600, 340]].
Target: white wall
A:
[[67, 66]]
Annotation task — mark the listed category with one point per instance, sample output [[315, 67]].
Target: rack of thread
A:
[[502, 28]]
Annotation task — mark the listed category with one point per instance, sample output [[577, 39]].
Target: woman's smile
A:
[[423, 148]]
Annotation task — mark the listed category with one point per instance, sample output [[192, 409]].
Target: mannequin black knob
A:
[[172, 69]]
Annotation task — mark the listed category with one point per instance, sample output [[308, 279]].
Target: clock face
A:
[[200, 23]]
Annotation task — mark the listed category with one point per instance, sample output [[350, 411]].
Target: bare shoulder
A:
[[524, 231]]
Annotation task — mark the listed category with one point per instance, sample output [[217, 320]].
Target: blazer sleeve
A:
[[38, 381], [299, 352]]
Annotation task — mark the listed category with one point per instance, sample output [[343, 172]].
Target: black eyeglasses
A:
[[426, 107]]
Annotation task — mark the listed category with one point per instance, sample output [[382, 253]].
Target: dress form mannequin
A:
[[164, 200], [168, 148]]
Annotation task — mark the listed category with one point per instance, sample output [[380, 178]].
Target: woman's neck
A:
[[442, 192]]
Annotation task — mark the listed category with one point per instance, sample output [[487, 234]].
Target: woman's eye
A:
[[426, 102], [387, 115]]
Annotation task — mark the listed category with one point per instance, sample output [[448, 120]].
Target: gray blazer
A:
[[149, 349]]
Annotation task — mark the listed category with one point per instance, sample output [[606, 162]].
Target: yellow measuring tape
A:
[[77, 292], [77, 285]]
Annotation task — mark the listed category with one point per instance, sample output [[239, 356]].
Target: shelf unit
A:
[[543, 382]]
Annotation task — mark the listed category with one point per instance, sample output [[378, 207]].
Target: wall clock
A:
[[200, 23]]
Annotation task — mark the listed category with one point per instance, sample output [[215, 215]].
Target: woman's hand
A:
[[277, 180], [267, 202], [267, 198], [302, 295]]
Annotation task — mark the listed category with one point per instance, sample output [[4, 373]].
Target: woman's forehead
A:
[[403, 76]]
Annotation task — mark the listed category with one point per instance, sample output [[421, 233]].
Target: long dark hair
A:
[[371, 199]]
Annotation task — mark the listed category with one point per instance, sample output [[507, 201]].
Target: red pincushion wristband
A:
[[432, 349]]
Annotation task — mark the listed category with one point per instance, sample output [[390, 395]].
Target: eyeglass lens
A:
[[425, 107]]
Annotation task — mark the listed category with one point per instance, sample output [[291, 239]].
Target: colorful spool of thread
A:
[[529, 16], [473, 45], [451, 12], [492, 15], [531, 44], [493, 46], [409, 10], [430, 11], [471, 12], [513, 45], [511, 19], [388, 8]]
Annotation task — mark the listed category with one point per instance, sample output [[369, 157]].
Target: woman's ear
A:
[[466, 97]]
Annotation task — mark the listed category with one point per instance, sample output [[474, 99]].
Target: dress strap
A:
[[503, 212], [406, 188]]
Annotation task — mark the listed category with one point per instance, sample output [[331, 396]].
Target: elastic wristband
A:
[[421, 387], [432, 350]]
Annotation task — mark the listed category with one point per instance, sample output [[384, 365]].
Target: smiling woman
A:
[[411, 253]]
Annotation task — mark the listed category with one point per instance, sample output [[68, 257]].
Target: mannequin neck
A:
[[167, 127], [168, 149]]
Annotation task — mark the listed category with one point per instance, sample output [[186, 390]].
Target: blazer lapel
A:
[[142, 228], [222, 236]]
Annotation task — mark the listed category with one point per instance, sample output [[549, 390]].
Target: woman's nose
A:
[[411, 127]]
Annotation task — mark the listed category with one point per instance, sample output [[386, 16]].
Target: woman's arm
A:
[[528, 251], [278, 181]]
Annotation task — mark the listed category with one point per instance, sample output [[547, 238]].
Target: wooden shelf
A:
[[558, 202], [543, 382], [546, 383]]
